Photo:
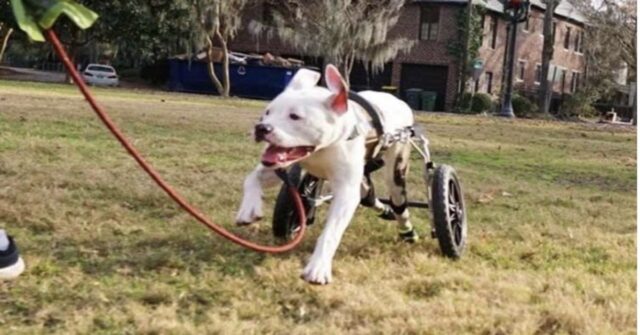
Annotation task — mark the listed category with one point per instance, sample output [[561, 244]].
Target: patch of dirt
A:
[[609, 183]]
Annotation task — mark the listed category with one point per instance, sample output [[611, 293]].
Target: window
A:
[[525, 26], [578, 44], [488, 81], [575, 81], [567, 38], [482, 25], [522, 65], [494, 31], [538, 73], [563, 78], [429, 19]]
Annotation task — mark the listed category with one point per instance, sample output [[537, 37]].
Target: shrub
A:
[[481, 102], [523, 107], [464, 104], [577, 105]]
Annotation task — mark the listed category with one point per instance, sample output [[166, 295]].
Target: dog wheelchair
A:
[[443, 192]]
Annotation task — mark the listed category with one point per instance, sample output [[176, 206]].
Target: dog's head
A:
[[304, 118]]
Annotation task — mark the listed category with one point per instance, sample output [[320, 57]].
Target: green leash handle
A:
[[33, 16]]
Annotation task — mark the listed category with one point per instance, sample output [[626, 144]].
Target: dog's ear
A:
[[337, 86], [304, 78]]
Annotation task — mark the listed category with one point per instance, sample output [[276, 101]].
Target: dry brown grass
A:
[[551, 214]]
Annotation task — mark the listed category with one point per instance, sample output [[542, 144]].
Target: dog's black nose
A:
[[262, 130]]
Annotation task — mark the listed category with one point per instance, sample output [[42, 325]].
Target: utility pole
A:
[[515, 11]]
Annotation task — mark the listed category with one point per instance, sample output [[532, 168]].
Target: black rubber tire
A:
[[285, 218], [449, 212]]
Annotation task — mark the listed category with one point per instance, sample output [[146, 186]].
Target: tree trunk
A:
[[463, 74], [347, 76], [78, 40], [634, 106], [226, 83], [73, 51], [546, 86], [211, 68], [5, 34], [344, 68], [347, 66]]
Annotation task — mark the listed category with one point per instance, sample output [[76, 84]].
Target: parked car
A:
[[101, 75]]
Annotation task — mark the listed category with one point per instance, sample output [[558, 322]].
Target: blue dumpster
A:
[[249, 81]]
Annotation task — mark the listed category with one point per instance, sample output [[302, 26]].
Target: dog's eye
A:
[[267, 112], [294, 117]]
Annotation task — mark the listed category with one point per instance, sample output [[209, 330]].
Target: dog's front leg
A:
[[251, 206], [343, 205]]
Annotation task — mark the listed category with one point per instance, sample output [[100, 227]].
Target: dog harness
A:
[[375, 122], [374, 114]]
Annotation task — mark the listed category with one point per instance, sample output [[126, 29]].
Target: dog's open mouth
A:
[[275, 155]]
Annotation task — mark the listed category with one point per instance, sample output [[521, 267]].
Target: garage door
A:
[[425, 77], [362, 78]]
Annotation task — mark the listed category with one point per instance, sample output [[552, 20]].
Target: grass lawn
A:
[[552, 228]]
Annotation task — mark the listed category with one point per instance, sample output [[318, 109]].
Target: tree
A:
[[134, 32], [141, 31], [609, 23], [339, 31], [218, 21], [548, 32], [5, 33], [612, 22], [6, 29], [618, 21], [465, 48]]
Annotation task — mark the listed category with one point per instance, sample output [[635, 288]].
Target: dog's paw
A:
[[317, 272], [410, 236], [387, 214], [250, 210]]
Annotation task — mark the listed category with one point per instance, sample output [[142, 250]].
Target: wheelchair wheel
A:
[[449, 212], [285, 219]]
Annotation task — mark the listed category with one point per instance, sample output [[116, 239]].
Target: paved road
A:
[[14, 73]]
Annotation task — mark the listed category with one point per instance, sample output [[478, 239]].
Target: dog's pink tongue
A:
[[274, 155]]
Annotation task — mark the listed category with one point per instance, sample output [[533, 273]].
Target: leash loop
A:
[[155, 176]]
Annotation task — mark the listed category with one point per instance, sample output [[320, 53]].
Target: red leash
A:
[[53, 39]]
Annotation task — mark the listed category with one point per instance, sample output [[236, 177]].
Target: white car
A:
[[100, 75]]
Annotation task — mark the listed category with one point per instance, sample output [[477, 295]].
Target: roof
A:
[[451, 2], [565, 8]]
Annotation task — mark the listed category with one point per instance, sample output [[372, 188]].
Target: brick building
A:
[[430, 65], [567, 65]]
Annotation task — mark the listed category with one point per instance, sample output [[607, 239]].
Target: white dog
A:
[[325, 132]]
